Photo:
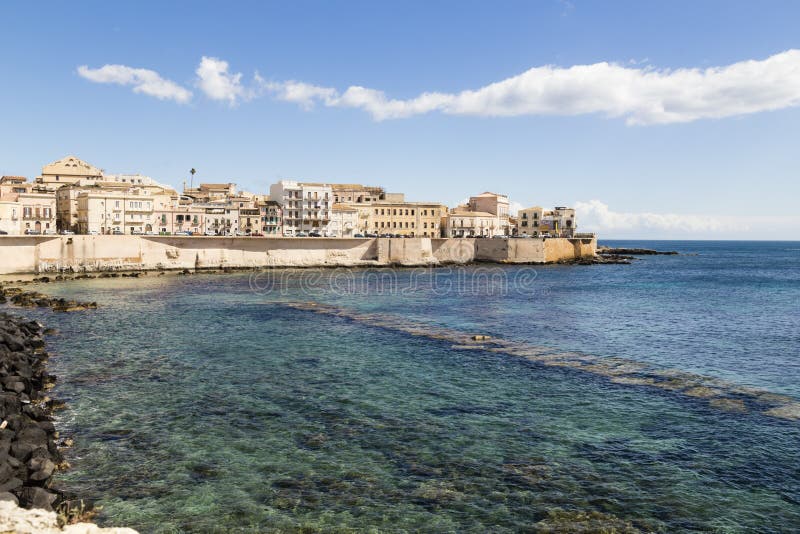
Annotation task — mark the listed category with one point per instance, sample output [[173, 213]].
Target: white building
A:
[[307, 207]]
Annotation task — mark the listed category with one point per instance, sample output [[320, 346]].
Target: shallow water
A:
[[207, 403]]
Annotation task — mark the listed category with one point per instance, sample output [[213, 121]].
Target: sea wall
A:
[[43, 254]]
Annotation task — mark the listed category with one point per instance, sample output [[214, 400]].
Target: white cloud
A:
[[217, 83], [640, 95], [144, 81], [595, 215]]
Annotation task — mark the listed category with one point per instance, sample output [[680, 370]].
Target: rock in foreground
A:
[[21, 521]]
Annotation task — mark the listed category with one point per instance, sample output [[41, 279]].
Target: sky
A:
[[664, 120]]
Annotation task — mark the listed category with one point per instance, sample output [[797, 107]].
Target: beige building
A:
[[344, 220], [26, 208], [529, 221], [357, 194], [68, 170], [420, 219], [495, 204], [105, 210], [535, 221], [211, 192], [463, 222]]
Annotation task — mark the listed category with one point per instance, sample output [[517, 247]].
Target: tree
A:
[[191, 181]]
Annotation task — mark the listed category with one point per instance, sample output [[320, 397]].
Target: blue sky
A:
[[721, 162]]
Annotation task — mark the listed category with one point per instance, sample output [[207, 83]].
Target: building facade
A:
[[306, 206], [26, 208], [535, 221], [344, 220], [416, 219]]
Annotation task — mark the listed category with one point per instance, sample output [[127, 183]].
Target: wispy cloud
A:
[[640, 95], [144, 81]]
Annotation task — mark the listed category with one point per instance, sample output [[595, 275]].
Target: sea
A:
[[660, 396]]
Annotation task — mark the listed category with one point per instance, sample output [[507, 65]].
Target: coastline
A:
[[86, 253], [30, 444]]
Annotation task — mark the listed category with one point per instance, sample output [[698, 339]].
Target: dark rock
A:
[[33, 497], [10, 485]]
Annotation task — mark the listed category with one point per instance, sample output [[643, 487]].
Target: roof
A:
[[71, 166], [13, 179], [355, 187], [489, 194], [466, 213], [343, 207]]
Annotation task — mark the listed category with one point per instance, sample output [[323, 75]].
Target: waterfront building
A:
[[465, 222], [344, 220], [421, 219], [357, 194], [250, 221], [25, 207], [528, 221], [118, 210], [495, 204], [535, 221], [306, 206], [271, 218]]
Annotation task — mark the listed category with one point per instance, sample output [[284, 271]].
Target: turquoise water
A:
[[204, 403]]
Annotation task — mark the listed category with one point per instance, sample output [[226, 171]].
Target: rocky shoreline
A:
[[30, 445], [29, 450], [616, 251]]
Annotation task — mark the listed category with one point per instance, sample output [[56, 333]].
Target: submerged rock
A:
[[580, 521]]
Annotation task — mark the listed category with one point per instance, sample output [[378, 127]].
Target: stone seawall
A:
[[85, 253]]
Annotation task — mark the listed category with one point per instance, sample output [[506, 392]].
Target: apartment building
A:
[[306, 206], [535, 221], [420, 219], [25, 207], [271, 218], [464, 222], [107, 210], [344, 220], [357, 194]]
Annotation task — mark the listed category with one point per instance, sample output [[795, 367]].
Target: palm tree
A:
[[191, 181]]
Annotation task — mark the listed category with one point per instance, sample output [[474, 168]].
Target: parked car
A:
[[545, 234], [117, 232], [210, 233], [136, 232], [92, 232], [314, 234], [369, 234], [301, 234], [67, 232], [29, 231], [182, 233], [150, 232], [3, 232], [358, 235]]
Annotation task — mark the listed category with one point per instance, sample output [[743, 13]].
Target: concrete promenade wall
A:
[[41, 254]]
